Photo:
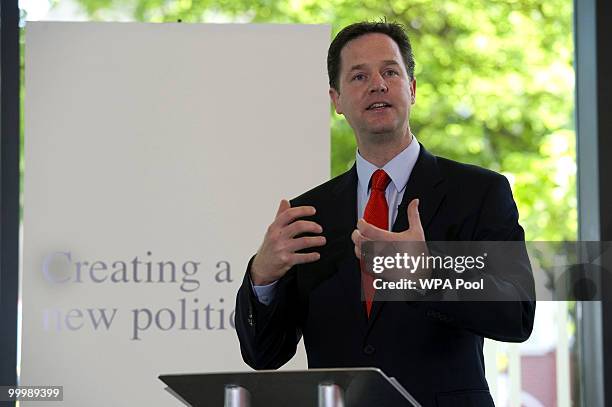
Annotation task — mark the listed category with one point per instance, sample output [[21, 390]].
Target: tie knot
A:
[[380, 180]]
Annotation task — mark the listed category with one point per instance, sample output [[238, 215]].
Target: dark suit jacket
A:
[[434, 349]]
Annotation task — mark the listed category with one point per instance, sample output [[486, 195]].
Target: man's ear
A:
[[413, 91], [334, 95]]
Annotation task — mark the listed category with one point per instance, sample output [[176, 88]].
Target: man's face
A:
[[375, 92]]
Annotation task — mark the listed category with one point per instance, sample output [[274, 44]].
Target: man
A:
[[305, 279]]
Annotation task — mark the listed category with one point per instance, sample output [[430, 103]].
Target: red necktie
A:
[[376, 213]]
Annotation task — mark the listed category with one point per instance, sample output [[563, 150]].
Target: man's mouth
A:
[[378, 106]]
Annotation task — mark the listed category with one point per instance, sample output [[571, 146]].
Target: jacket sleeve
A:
[[512, 320], [268, 334]]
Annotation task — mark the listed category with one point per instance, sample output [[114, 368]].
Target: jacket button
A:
[[369, 349]]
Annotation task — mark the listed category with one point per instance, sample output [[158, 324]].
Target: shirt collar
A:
[[399, 168]]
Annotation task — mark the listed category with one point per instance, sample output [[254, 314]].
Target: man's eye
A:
[[359, 77], [391, 72]]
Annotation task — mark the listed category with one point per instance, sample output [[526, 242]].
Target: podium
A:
[[355, 387]]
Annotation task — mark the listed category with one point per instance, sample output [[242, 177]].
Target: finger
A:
[[291, 214], [371, 232], [284, 205], [306, 242], [356, 238], [301, 258], [302, 226], [414, 218]]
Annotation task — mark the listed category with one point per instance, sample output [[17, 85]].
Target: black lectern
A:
[[358, 387]]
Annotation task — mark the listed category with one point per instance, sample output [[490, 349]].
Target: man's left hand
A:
[[366, 231]]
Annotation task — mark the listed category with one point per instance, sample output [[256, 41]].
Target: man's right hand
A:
[[277, 253]]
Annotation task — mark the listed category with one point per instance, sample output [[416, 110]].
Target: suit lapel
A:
[[345, 195], [426, 184]]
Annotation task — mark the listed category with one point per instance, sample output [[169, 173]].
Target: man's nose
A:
[[378, 84]]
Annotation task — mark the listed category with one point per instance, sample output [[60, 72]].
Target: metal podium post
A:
[[236, 396], [330, 395]]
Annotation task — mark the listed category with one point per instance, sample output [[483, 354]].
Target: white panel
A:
[[176, 140]]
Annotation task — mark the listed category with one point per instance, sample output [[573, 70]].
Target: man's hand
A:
[[277, 253], [414, 233]]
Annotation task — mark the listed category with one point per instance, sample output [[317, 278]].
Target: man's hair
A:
[[348, 33]]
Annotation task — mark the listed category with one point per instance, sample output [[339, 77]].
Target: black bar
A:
[[9, 189], [604, 136], [593, 33]]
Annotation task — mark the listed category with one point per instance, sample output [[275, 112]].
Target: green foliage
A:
[[494, 83]]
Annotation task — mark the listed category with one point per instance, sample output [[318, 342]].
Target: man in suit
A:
[[305, 280]]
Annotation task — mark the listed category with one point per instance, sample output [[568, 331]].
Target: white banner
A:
[[156, 155]]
